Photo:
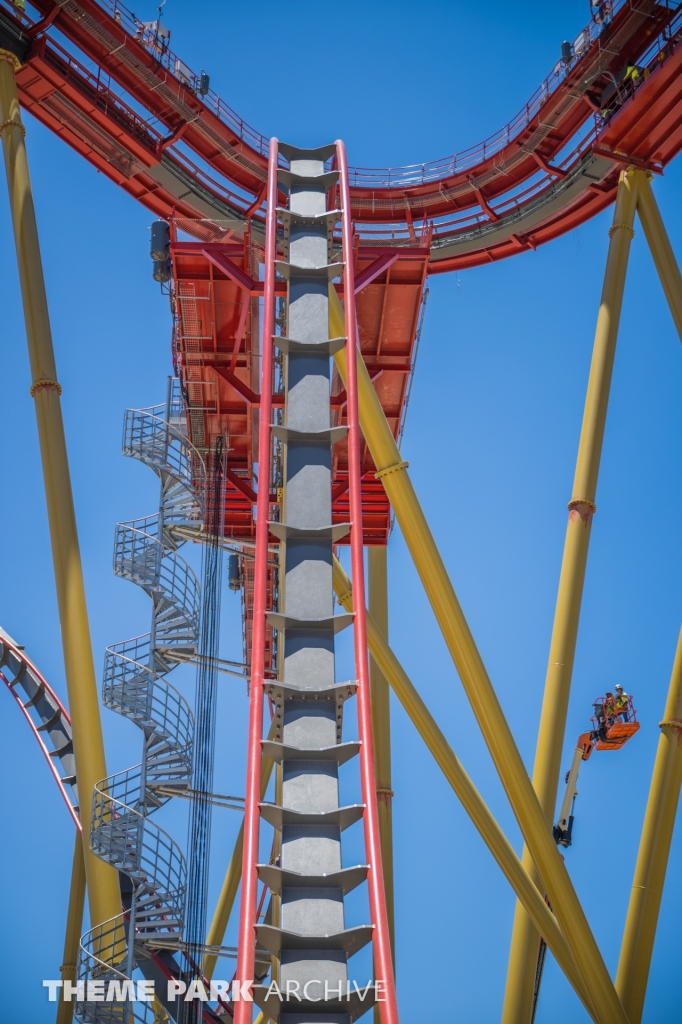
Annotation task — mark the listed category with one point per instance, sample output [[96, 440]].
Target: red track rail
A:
[[248, 912], [383, 961], [92, 75], [38, 728]]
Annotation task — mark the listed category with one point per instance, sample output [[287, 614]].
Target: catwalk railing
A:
[[134, 686], [156, 39]]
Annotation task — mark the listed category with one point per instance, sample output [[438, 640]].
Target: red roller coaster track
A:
[[110, 86], [107, 85]]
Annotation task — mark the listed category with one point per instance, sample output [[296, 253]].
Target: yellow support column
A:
[[102, 880], [74, 929], [654, 849], [391, 469], [464, 788], [661, 249], [524, 946], [377, 578]]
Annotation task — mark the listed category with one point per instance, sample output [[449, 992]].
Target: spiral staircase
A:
[[135, 685]]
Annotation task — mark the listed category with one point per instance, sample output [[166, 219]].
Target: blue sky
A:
[[491, 439]]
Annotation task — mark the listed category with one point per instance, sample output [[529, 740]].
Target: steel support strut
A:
[[74, 928], [377, 593], [247, 918], [494, 727], [102, 881], [524, 945], [465, 790], [233, 874], [664, 792], [654, 850], [661, 249], [377, 898]]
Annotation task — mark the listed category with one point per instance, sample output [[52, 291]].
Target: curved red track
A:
[[103, 82], [552, 167]]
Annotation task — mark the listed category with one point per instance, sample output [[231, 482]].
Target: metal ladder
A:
[[309, 942], [145, 552]]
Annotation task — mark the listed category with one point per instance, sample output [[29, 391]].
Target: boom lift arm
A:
[[563, 830]]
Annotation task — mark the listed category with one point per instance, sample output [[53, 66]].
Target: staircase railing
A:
[[145, 552]]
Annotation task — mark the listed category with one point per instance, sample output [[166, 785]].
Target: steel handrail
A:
[[144, 560], [404, 176], [399, 177], [134, 686]]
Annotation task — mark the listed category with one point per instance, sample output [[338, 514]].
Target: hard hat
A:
[[618, 686]]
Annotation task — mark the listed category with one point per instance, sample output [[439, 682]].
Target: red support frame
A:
[[388, 1005], [247, 916], [374, 270]]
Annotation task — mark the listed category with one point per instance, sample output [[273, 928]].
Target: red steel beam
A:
[[388, 1007], [241, 485], [247, 916], [228, 268], [374, 270]]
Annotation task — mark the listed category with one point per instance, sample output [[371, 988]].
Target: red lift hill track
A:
[[112, 88]]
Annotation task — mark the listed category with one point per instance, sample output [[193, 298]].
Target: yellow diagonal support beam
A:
[[661, 249], [102, 881], [233, 876], [74, 930], [524, 945], [391, 469], [654, 850], [465, 790]]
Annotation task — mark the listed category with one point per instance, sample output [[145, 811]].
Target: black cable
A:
[[199, 838]]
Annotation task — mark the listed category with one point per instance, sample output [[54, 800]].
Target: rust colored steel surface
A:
[[216, 350], [215, 299]]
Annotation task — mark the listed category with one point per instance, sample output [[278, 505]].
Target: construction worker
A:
[[621, 703], [631, 79], [602, 713], [601, 11]]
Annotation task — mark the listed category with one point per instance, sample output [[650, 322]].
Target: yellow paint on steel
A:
[[464, 788], [74, 929], [654, 850], [102, 880], [661, 249], [377, 593], [233, 875], [524, 945], [492, 722]]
